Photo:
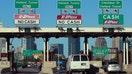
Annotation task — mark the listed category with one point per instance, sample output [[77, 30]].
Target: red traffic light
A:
[[22, 10], [18, 35], [107, 10], [73, 10], [37, 35], [115, 10], [65, 11], [31, 10]]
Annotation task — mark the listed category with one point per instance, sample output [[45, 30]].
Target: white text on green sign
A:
[[69, 4], [26, 3], [100, 51], [110, 4], [31, 52], [114, 19]]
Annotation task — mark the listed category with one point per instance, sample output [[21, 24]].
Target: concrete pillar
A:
[[85, 46], [87, 49], [44, 52], [127, 58], [7, 47], [46, 49], [124, 50]]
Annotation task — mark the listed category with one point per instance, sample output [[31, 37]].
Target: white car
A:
[[77, 62], [112, 66]]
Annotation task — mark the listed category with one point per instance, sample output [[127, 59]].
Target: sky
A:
[[48, 11]]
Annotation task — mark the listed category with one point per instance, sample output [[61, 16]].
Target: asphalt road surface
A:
[[26, 70], [64, 72]]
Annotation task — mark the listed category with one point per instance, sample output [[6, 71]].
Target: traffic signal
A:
[[31, 10], [107, 10], [69, 30], [18, 36], [22, 10], [111, 29], [73, 11], [65, 11], [37, 35], [115, 10], [27, 30]]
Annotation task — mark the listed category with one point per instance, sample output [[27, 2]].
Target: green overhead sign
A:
[[31, 52], [110, 4], [69, 4], [115, 19], [26, 3], [100, 51]]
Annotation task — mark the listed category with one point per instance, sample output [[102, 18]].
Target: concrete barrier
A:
[[127, 68], [49, 67], [96, 63], [4, 64]]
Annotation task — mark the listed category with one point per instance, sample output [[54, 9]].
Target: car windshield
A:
[[113, 62]]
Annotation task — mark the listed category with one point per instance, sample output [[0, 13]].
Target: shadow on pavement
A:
[[93, 69], [120, 72], [22, 71], [54, 69], [7, 71]]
